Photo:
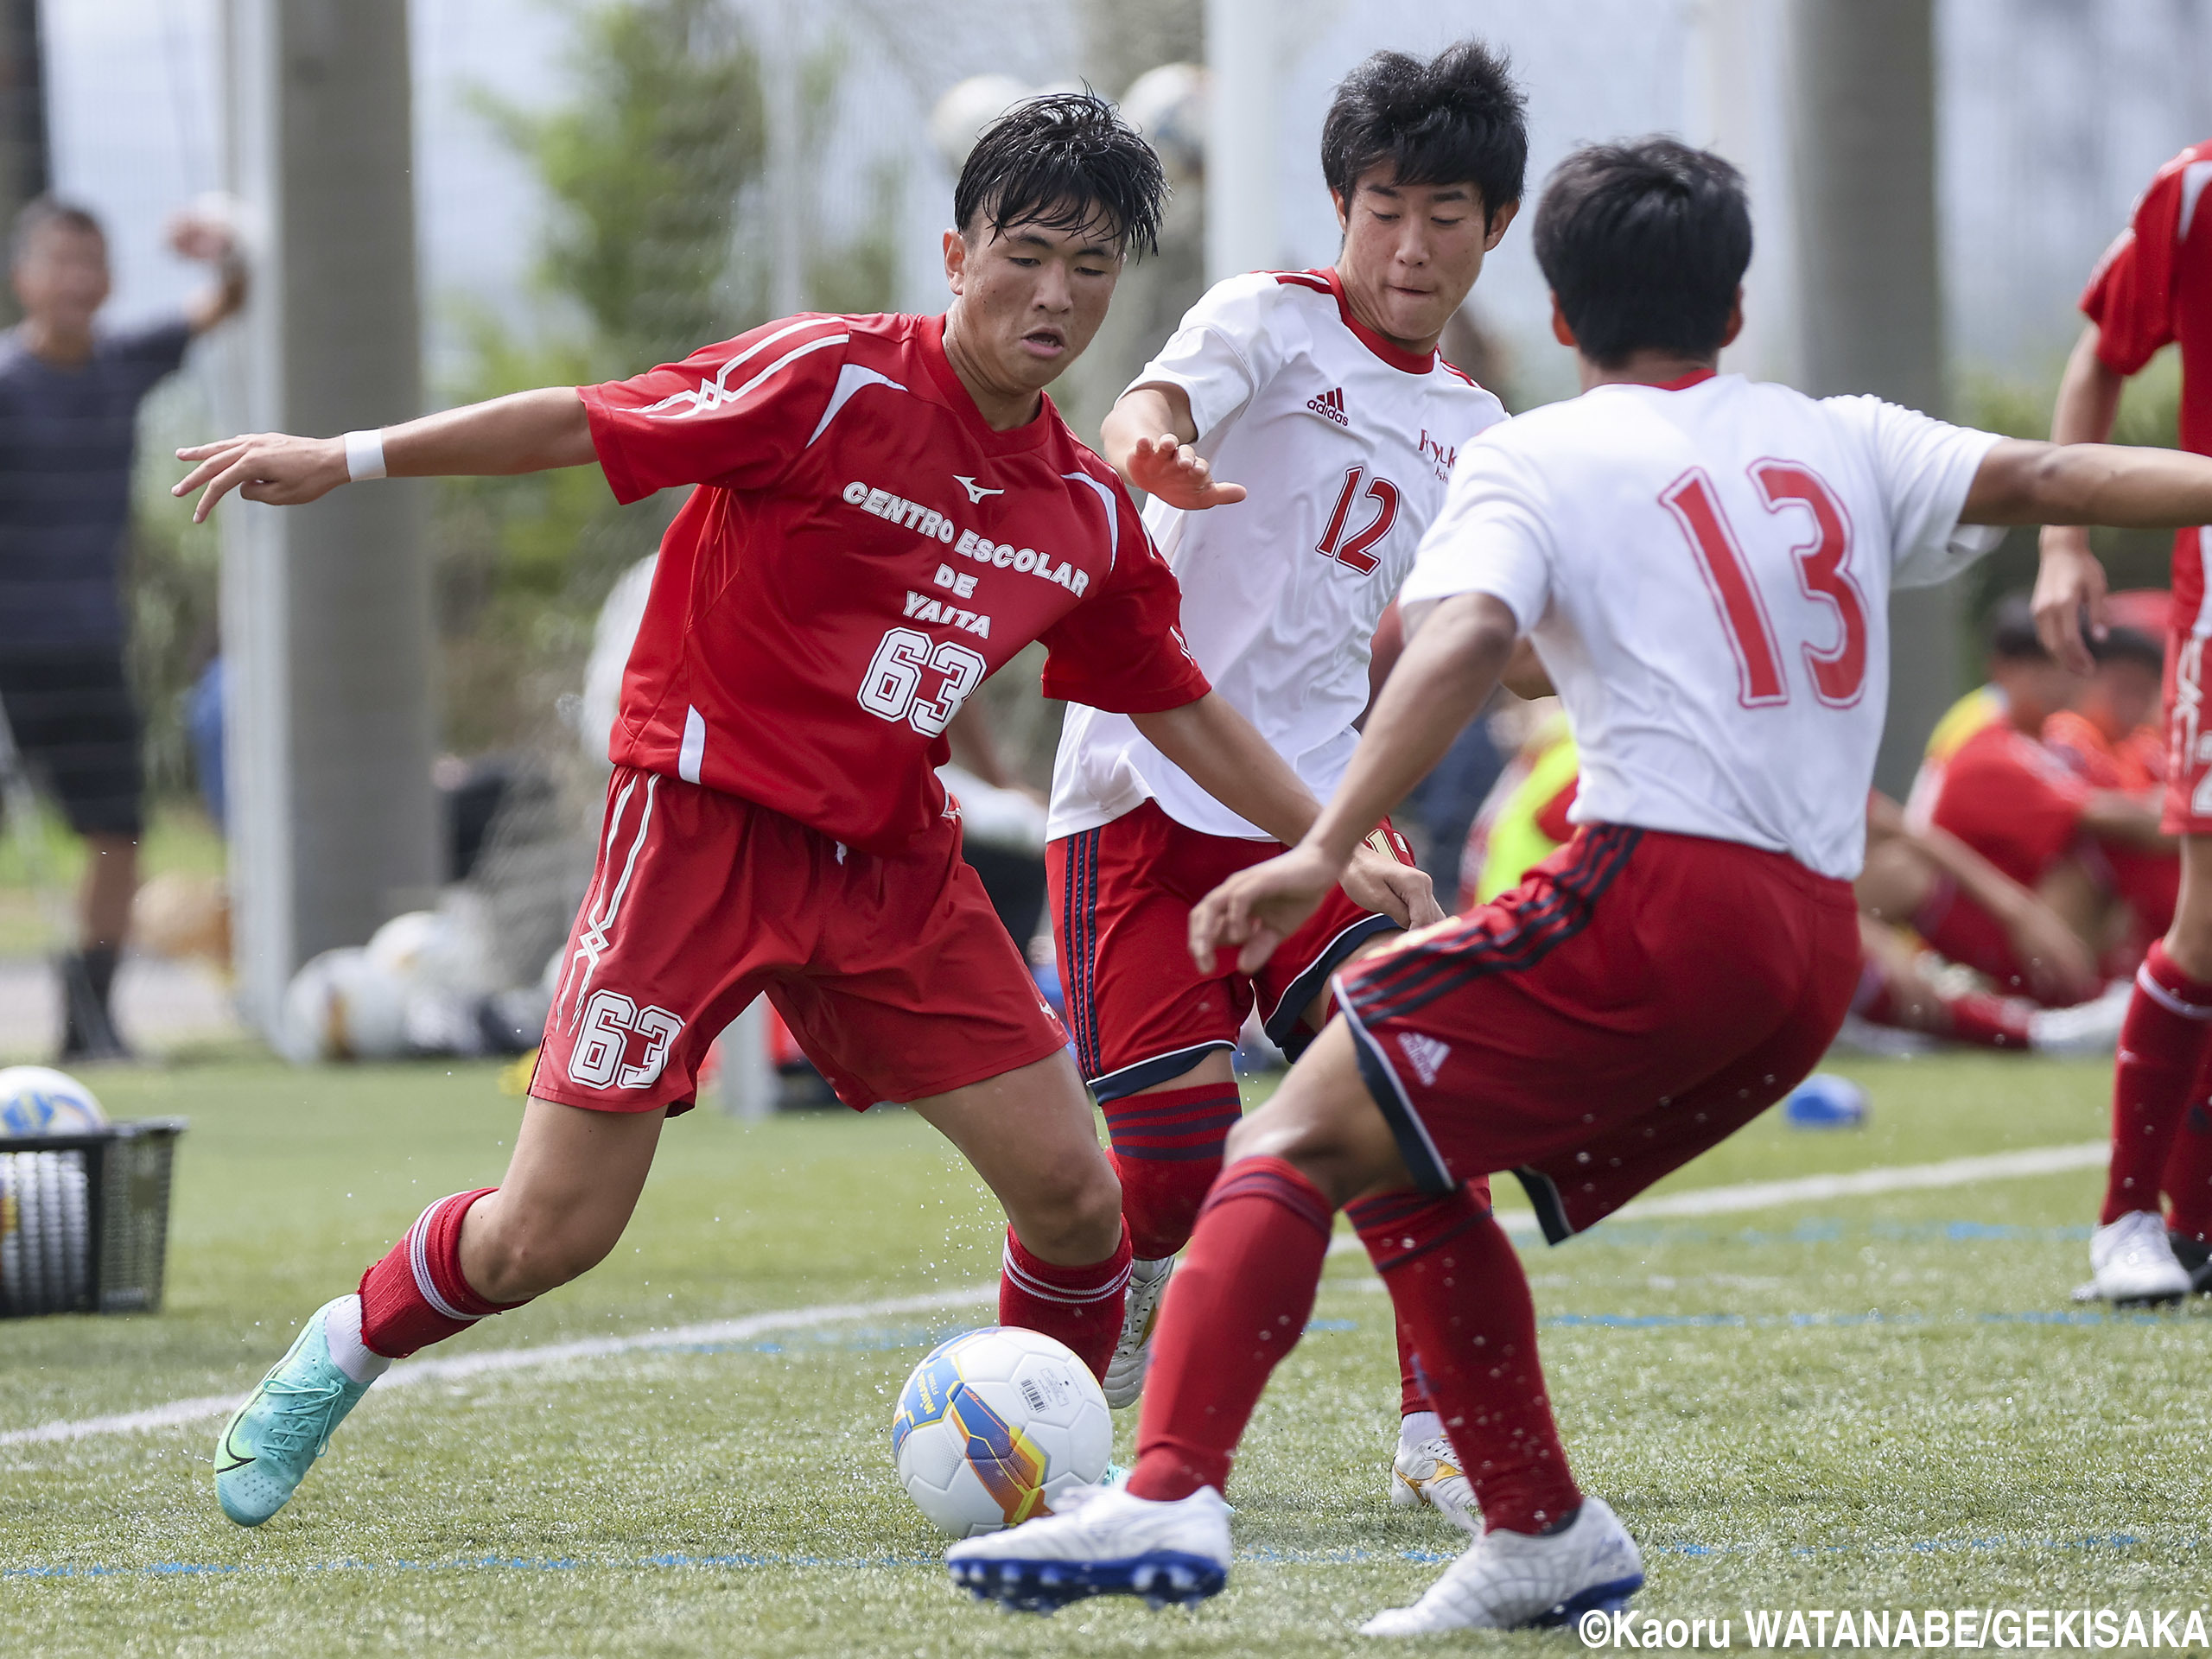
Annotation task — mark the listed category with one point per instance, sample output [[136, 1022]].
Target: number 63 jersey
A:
[[1706, 568], [862, 550]]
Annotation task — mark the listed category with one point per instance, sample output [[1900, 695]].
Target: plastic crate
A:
[[85, 1220]]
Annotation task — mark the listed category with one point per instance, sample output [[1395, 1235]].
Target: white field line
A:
[[1813, 1189], [1705, 1201]]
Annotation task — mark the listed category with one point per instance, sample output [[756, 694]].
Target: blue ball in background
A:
[[1825, 1100]]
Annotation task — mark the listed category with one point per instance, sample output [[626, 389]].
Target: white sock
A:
[[1416, 1427], [341, 1334]]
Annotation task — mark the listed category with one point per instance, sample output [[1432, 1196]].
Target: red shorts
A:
[[1141, 1013], [893, 973], [1637, 999], [2189, 738]]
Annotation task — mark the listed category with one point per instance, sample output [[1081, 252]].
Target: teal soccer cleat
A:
[[283, 1426]]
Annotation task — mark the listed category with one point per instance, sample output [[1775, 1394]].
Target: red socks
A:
[[1987, 1021], [1080, 1307], [1412, 1397], [1236, 1306], [2162, 1044], [2188, 1176], [1167, 1147], [1459, 1286], [415, 1295]]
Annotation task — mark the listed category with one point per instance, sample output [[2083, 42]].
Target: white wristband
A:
[[363, 456]]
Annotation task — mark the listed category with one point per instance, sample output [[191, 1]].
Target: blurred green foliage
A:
[[655, 169]]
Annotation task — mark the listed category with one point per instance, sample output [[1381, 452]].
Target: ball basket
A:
[[85, 1220]]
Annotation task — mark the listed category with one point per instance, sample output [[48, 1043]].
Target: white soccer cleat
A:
[[1507, 1580], [1124, 1379], [2134, 1260], [2091, 1027], [1428, 1472], [1107, 1544]]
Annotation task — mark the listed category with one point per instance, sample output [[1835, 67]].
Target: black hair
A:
[[1644, 244], [38, 213], [1457, 117], [1063, 163], [2122, 644], [2012, 636]]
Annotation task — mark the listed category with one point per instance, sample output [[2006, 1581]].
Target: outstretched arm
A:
[[1234, 764], [1459, 648], [1146, 438], [2024, 483], [524, 432]]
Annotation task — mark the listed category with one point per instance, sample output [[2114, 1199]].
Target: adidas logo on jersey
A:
[[1427, 1054], [1331, 406]]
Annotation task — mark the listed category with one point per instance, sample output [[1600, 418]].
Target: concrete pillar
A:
[[1863, 152], [25, 160], [1244, 220], [327, 616]]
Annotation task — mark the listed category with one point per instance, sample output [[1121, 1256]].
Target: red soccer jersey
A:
[[2012, 800], [2154, 285], [862, 550]]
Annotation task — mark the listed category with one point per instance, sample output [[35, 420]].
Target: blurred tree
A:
[[654, 167]]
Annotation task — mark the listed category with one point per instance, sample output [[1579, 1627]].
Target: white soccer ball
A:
[[995, 1425], [38, 1100], [1168, 105], [341, 1006], [964, 112]]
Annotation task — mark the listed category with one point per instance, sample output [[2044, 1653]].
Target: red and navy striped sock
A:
[[2163, 1041], [1079, 1306], [417, 1295], [1167, 1149], [1236, 1306], [1457, 1282]]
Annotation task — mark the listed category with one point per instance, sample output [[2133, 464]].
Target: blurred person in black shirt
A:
[[69, 398]]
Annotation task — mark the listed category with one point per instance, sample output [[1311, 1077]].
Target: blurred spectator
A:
[[69, 398]]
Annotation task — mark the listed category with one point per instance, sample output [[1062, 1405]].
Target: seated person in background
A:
[[1990, 782], [1524, 821], [2111, 738]]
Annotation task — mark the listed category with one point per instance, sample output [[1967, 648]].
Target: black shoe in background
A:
[[88, 1030]]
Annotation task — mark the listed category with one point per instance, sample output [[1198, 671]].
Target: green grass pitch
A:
[[1874, 1401]]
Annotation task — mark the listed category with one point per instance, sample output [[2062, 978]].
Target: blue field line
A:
[[1348, 1555]]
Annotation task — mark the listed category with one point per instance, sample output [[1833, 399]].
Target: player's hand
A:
[[2060, 969], [1175, 472], [1256, 910], [271, 467], [1377, 881], [2070, 584], [201, 236]]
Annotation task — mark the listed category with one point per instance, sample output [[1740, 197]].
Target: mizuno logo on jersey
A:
[[1427, 1054], [928, 521], [975, 491], [1331, 406]]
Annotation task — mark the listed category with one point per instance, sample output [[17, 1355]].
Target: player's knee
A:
[[519, 1262], [1071, 1213]]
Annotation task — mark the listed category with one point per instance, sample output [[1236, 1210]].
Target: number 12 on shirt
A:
[[1354, 553], [1839, 671]]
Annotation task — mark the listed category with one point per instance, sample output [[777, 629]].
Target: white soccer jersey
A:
[[1705, 570], [1344, 443]]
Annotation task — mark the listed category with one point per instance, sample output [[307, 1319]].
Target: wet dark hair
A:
[[1457, 118], [1644, 244], [2122, 644], [41, 211], [2012, 636], [1063, 163]]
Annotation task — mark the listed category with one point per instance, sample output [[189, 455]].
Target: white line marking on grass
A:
[[1813, 1189], [1703, 1201], [407, 1372]]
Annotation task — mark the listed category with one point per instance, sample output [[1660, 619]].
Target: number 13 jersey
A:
[[1706, 568], [1344, 443], [862, 550]]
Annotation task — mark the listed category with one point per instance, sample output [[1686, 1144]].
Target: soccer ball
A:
[[995, 1425], [38, 1100]]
